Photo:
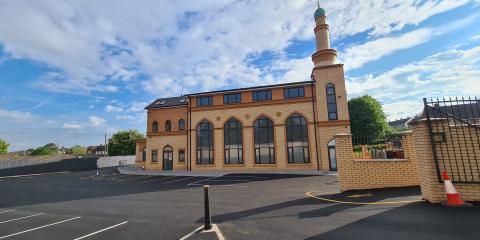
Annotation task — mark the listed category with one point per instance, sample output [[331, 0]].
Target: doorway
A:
[[168, 158], [332, 155]]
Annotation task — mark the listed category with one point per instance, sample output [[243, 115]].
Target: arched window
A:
[[168, 126], [155, 126], [264, 142], [168, 158], [233, 145], [332, 155], [297, 139], [331, 102], [205, 143], [181, 124]]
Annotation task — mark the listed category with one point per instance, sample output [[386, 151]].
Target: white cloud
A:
[[112, 108], [17, 116], [136, 106], [449, 73], [92, 46], [72, 126], [96, 121]]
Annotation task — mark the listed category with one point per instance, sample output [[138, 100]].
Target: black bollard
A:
[[208, 219]]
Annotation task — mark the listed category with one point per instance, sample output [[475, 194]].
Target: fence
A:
[[389, 146], [454, 132]]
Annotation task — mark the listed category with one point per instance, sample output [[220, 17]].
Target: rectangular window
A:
[[262, 95], [181, 155], [294, 92], [154, 156], [232, 98], [204, 101]]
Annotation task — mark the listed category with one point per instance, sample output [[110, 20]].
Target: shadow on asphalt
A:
[[327, 209], [71, 164], [420, 220]]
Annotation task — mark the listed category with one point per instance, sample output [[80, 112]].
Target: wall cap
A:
[[381, 160], [343, 134]]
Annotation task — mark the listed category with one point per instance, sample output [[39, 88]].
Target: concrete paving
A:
[[84, 205]]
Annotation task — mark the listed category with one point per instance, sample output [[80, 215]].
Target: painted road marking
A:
[[203, 180], [310, 194], [20, 218], [44, 226], [178, 180], [360, 195], [199, 229], [158, 179], [7, 211], [101, 230], [31, 175]]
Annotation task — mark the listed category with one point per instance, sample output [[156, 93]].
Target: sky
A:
[[72, 71]]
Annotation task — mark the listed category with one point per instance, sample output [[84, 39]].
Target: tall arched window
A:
[[331, 102], [297, 139], [332, 155], [181, 124], [205, 143], [155, 126], [168, 126], [233, 144], [264, 142]]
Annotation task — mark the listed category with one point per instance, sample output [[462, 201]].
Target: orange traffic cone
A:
[[453, 197]]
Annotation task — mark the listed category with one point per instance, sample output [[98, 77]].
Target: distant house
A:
[[468, 112], [402, 123], [96, 150]]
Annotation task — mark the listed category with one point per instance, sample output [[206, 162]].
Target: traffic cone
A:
[[453, 197]]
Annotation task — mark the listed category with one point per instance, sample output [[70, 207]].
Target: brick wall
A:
[[368, 174], [432, 190]]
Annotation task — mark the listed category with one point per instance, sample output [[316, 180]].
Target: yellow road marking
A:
[[309, 194], [360, 195]]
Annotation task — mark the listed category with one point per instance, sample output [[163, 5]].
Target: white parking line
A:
[[7, 211], [101, 230], [31, 175], [226, 180], [158, 179], [15, 219], [44, 226], [196, 183], [177, 180]]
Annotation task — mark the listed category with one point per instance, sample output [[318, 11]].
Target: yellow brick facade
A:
[[357, 174], [432, 190]]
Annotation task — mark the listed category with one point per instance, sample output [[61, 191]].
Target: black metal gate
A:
[[454, 128]]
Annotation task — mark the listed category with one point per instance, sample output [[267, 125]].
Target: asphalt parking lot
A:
[[84, 205]]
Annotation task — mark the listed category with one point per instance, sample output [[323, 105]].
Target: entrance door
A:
[[167, 158], [332, 155]]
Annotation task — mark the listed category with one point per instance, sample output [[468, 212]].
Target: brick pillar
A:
[[344, 153], [432, 190]]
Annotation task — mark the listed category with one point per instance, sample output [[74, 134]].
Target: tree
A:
[[78, 150], [367, 118], [123, 143], [48, 149], [3, 146]]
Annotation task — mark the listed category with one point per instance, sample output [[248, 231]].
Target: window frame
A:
[[200, 102], [294, 131], [237, 98], [154, 126], [257, 132], [329, 97], [200, 146], [287, 92], [154, 160], [181, 124], [268, 95], [168, 126], [180, 159], [227, 149]]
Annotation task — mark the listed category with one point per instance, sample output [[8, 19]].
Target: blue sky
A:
[[72, 71]]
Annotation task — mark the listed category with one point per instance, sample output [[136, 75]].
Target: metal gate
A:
[[454, 129]]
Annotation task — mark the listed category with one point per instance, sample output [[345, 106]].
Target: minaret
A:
[[324, 54]]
